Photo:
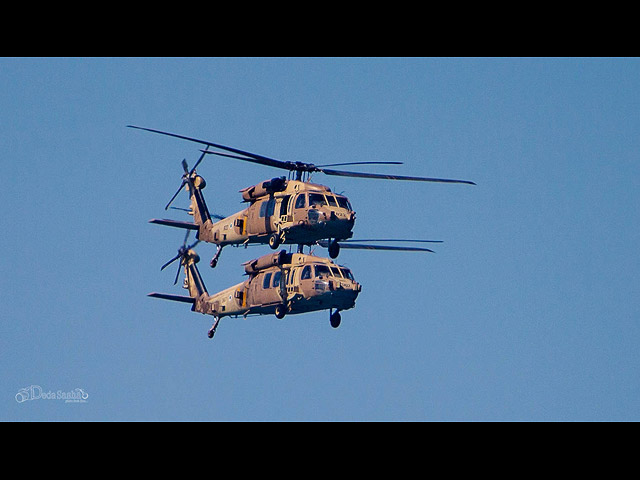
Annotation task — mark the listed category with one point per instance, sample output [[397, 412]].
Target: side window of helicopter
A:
[[300, 201], [306, 273], [316, 199], [276, 278], [267, 207], [267, 279]]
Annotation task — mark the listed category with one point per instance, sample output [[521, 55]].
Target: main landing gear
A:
[[212, 330], [274, 241], [281, 311], [335, 318], [214, 260]]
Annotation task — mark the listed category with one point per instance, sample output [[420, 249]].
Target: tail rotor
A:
[[183, 255], [187, 177]]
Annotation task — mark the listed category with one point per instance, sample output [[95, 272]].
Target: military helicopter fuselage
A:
[[280, 212], [279, 283]]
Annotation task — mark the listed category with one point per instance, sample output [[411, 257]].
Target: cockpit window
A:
[[346, 273], [335, 272], [306, 272], [300, 200], [343, 202], [322, 270], [316, 199], [331, 200]]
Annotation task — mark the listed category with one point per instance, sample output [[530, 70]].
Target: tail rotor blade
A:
[[204, 152], [177, 274], [170, 262], [175, 195]]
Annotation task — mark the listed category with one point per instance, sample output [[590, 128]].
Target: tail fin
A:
[[194, 282], [194, 184], [198, 205]]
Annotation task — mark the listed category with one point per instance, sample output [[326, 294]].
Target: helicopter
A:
[[279, 283], [282, 210]]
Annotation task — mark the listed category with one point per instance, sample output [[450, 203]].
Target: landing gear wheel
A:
[[335, 319], [214, 260], [212, 330], [281, 311], [334, 249], [274, 241]]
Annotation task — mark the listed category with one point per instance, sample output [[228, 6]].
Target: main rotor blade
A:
[[296, 166], [390, 177], [389, 240], [324, 243], [262, 161], [383, 247], [258, 158], [359, 163]]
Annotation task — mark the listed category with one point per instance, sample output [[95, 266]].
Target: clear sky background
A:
[[529, 310]]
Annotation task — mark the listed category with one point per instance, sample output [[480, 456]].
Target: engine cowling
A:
[[276, 184], [266, 261]]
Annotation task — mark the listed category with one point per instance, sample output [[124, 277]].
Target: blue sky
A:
[[529, 310]]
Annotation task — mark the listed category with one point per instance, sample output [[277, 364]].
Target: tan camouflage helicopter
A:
[[282, 211], [279, 283]]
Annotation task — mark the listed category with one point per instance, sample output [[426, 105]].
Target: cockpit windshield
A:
[[346, 273], [317, 199], [343, 202], [322, 270], [332, 271]]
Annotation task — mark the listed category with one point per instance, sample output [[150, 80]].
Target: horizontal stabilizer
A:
[[175, 223], [175, 298]]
